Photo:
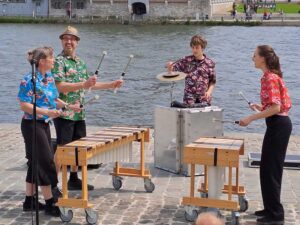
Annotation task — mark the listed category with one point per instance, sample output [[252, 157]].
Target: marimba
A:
[[215, 152], [108, 145]]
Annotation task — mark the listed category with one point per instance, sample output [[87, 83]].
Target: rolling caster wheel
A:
[[91, 216], [203, 194], [235, 216], [190, 214], [66, 215], [191, 217], [149, 186], [244, 205], [117, 182]]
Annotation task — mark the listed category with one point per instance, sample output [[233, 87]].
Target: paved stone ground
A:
[[132, 205]]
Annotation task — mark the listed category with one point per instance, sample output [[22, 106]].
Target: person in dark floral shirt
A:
[[274, 107], [201, 75], [72, 80]]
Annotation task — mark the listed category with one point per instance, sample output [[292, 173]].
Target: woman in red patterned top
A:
[[275, 105]]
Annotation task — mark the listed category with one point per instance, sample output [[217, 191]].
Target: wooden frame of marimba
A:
[[78, 152], [223, 152]]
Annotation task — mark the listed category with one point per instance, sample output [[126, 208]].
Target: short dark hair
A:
[[198, 40]]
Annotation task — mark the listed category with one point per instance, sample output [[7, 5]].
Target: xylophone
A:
[[112, 144], [215, 152]]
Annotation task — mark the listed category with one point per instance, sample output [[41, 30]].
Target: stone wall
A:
[[106, 9], [156, 9], [182, 10], [221, 7]]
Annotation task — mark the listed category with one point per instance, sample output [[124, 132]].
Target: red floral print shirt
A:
[[274, 91]]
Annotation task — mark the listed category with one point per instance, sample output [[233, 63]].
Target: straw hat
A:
[[70, 31], [171, 76]]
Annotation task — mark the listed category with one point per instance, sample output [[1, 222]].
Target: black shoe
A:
[[27, 205], [52, 210], [266, 220], [77, 185], [260, 213], [56, 193], [94, 166]]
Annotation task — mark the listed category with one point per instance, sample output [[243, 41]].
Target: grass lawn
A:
[[286, 7]]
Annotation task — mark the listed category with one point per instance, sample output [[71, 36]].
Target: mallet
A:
[[123, 73], [96, 97], [249, 103], [104, 53], [81, 106], [226, 121]]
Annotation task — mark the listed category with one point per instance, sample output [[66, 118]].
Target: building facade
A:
[[24, 8], [128, 9]]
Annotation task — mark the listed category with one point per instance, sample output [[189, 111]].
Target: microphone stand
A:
[[34, 140]]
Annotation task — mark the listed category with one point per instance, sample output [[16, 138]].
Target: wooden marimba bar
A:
[[107, 146]]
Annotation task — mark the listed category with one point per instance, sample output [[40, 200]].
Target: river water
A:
[[230, 47]]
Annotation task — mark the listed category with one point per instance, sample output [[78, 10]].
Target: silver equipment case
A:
[[176, 127]]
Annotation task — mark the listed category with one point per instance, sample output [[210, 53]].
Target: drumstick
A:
[[249, 103], [226, 121], [50, 118], [123, 74], [96, 97], [172, 63], [81, 106], [104, 53]]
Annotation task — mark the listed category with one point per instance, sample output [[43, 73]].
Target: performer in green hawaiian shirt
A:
[[72, 79]]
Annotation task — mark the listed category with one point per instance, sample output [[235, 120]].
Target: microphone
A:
[[33, 62]]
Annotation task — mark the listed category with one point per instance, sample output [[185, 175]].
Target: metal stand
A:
[[171, 92], [35, 167]]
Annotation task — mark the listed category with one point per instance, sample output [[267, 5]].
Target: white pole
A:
[[70, 5]]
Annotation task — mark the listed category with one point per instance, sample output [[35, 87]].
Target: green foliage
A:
[[287, 8], [19, 19]]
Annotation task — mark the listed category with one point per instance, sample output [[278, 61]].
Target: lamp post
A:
[[70, 9]]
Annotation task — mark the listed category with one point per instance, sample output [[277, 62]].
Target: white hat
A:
[[70, 31]]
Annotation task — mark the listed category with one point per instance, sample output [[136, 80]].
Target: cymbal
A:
[[171, 76]]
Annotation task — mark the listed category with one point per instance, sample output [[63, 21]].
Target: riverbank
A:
[[131, 205], [218, 20]]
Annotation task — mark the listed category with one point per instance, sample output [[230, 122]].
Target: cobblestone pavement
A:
[[131, 204]]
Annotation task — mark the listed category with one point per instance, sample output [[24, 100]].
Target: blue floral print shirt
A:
[[46, 93]]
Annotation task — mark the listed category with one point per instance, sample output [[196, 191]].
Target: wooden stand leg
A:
[[64, 182], [117, 167], [192, 191], [84, 183], [237, 179], [230, 184], [142, 147], [205, 178]]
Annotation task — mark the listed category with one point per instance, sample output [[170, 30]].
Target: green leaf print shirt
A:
[[71, 70]]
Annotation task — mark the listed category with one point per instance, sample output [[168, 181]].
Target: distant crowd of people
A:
[[251, 8]]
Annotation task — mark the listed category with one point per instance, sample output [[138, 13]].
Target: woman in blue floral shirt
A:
[[47, 105]]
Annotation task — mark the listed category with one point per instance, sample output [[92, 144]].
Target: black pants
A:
[[274, 148], [47, 172], [69, 130]]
